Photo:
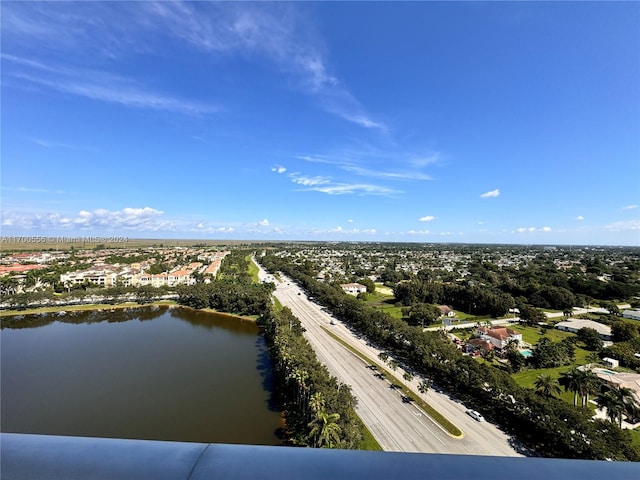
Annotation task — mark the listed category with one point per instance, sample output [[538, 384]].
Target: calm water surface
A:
[[147, 373]]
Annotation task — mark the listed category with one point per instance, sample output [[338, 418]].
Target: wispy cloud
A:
[[427, 218], [308, 181], [579, 218], [367, 172], [49, 144], [355, 188], [374, 162], [278, 33], [491, 194], [33, 190], [629, 207], [278, 169], [104, 87]]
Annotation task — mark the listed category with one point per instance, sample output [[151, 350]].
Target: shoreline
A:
[[117, 306]]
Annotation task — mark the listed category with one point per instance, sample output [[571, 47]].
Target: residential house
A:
[[353, 288], [446, 311], [499, 337]]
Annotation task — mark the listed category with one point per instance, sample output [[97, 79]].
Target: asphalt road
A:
[[397, 425]]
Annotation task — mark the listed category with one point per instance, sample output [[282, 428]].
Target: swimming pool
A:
[[525, 353], [607, 372]]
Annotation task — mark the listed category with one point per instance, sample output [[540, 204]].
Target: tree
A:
[[609, 401], [423, 387], [619, 401], [393, 365], [547, 386], [316, 403], [407, 377], [570, 380], [383, 356], [325, 432], [531, 315], [623, 331], [591, 339], [589, 384], [422, 313]]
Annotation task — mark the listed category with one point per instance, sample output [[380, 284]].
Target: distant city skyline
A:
[[455, 122]]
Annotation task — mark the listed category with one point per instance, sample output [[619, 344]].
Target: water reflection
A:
[[156, 373]]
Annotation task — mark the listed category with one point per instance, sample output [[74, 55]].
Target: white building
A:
[[631, 314], [576, 324], [499, 337], [353, 288]]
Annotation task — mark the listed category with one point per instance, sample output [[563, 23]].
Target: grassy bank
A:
[[89, 306]]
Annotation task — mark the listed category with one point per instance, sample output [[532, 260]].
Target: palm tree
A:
[[393, 365], [619, 401], [316, 402], [407, 377], [571, 380], [609, 401], [547, 386], [383, 356], [325, 432], [589, 384], [423, 387]]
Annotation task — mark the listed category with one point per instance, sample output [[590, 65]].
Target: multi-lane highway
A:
[[397, 425]]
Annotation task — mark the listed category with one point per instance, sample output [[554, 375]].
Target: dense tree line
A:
[[92, 293], [227, 295], [319, 410], [466, 297], [548, 425]]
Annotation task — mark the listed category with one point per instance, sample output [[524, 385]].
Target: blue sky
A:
[[419, 121]]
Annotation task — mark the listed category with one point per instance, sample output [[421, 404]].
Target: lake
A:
[[148, 373]]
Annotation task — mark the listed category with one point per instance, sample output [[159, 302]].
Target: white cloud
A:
[[492, 193], [366, 172], [427, 218], [263, 223], [350, 221], [629, 207], [139, 219], [360, 189], [531, 230], [579, 218], [624, 225], [278, 169], [308, 181]]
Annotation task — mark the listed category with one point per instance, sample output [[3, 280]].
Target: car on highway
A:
[[475, 415], [332, 322]]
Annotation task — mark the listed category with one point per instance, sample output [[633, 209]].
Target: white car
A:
[[475, 415]]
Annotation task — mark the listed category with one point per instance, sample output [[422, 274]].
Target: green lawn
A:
[[635, 437], [253, 269], [533, 334], [527, 378], [385, 303]]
